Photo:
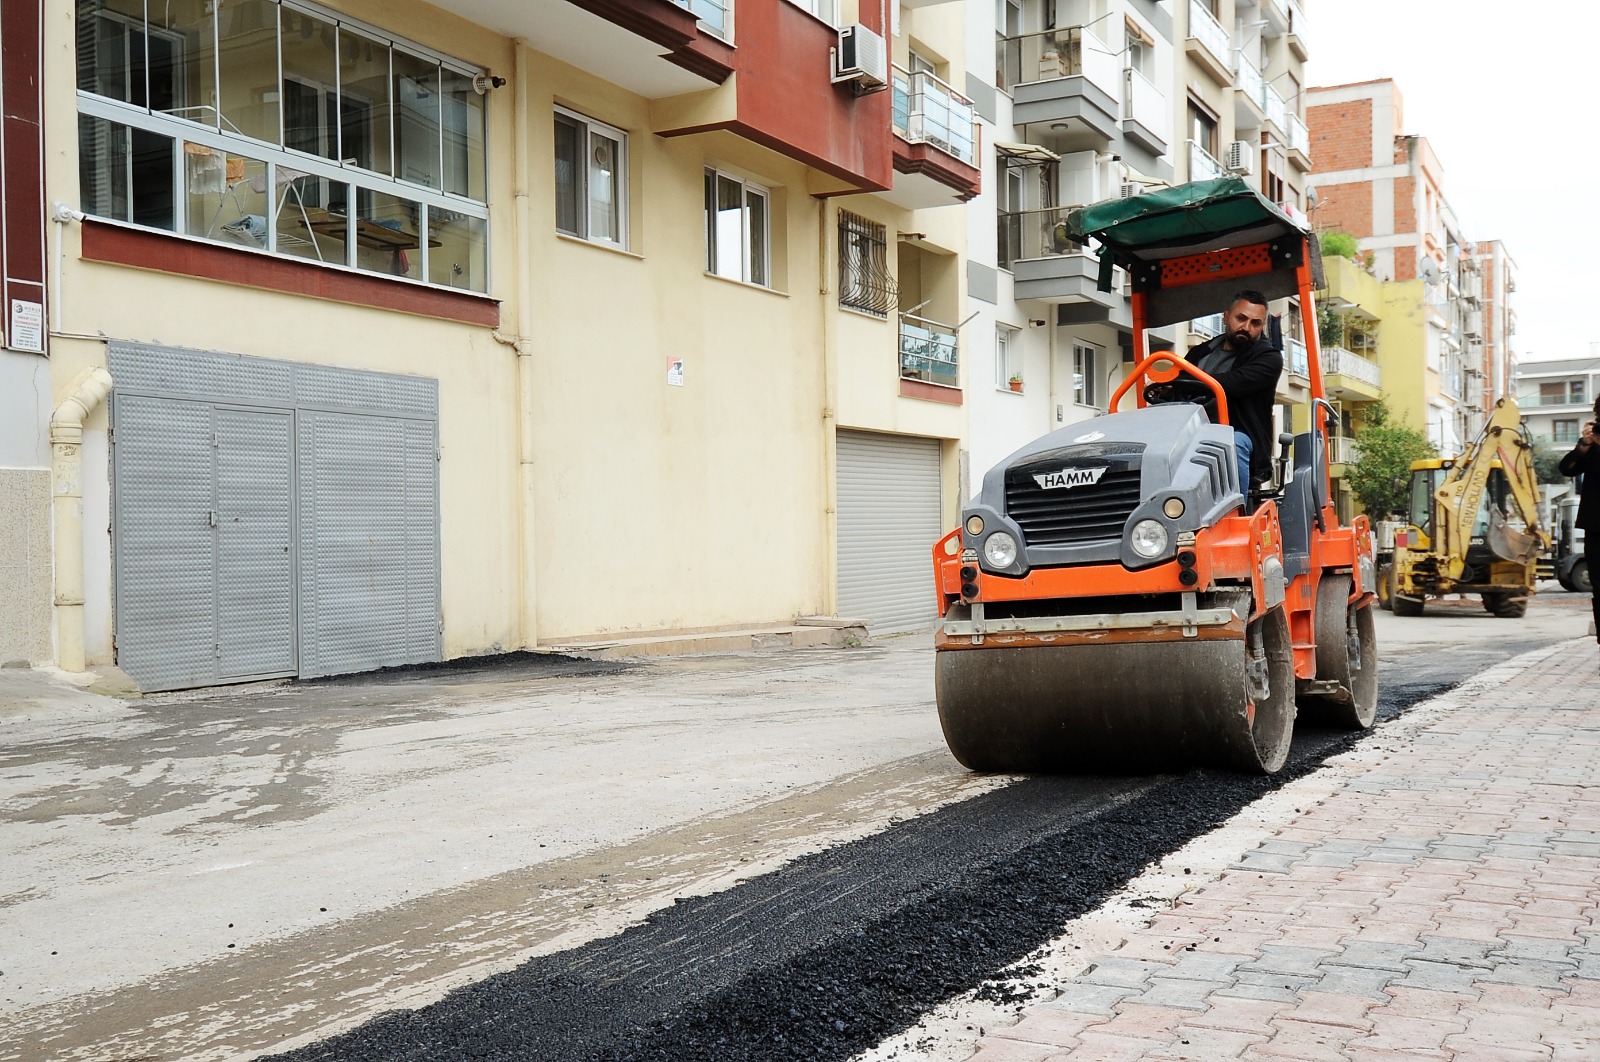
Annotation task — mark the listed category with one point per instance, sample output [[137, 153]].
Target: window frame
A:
[[709, 211], [128, 119], [1085, 375], [1006, 356], [584, 174], [865, 283]]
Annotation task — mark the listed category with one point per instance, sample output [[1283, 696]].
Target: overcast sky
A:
[[1508, 96]]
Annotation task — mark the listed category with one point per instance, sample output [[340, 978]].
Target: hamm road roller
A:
[[1115, 599]]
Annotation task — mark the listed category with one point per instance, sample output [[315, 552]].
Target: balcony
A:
[[1047, 267], [1343, 450], [935, 155], [1295, 361], [1206, 327], [1060, 75], [1146, 118], [1349, 376], [1207, 43], [928, 352], [1203, 166], [1273, 107], [1276, 15], [1299, 140], [1297, 31], [1248, 112], [653, 48]]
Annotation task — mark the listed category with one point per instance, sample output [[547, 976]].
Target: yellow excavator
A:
[[1473, 525]]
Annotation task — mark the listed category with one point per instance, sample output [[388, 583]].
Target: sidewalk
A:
[[1436, 897]]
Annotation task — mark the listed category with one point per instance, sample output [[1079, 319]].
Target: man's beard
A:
[[1239, 340]]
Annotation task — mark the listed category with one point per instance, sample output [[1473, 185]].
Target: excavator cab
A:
[[1115, 598]]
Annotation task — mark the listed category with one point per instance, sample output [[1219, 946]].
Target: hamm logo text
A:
[[1069, 477]]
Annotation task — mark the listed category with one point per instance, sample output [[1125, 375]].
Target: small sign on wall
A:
[[674, 371], [27, 326]]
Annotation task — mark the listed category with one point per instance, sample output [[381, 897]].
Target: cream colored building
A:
[[386, 333]]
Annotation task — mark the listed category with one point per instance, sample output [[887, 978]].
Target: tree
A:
[[1546, 464], [1337, 244], [1381, 476]]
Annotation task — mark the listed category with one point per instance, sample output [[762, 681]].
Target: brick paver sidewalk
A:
[[1441, 904]]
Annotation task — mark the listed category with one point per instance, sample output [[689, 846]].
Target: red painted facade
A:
[[22, 211], [786, 101]]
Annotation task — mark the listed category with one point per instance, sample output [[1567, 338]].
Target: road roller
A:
[[1115, 599]]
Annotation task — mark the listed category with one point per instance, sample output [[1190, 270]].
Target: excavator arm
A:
[[1458, 498]]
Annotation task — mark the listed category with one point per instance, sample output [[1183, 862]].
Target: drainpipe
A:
[[830, 423], [527, 384], [66, 463]]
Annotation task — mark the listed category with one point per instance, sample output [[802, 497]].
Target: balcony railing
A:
[[1034, 234], [1248, 77], [1278, 8], [1337, 361], [1297, 18], [1147, 104], [1272, 103], [713, 14], [927, 111], [1203, 166], [1208, 326], [1204, 27], [1343, 450], [1069, 51], [1299, 139], [928, 351], [1294, 357], [1524, 401]]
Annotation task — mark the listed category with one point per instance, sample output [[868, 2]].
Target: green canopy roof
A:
[[1140, 231]]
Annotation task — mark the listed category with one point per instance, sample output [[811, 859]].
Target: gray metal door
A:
[[889, 517], [204, 517]]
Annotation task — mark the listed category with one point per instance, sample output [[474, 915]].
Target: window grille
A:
[[864, 280]]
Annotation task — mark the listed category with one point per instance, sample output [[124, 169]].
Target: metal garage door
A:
[[888, 519], [270, 518]]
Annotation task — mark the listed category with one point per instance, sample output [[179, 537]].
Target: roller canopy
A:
[[1140, 232]]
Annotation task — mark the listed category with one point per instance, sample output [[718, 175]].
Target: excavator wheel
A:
[[1579, 578], [1347, 653], [1406, 605], [1135, 706], [1504, 605], [1385, 587]]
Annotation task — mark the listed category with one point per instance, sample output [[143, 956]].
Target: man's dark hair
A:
[[1250, 295]]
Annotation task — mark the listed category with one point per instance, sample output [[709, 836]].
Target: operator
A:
[[1246, 365], [1584, 460]]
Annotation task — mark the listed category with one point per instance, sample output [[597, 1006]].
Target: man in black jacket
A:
[[1584, 460], [1246, 364]]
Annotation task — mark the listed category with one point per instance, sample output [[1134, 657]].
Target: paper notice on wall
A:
[[674, 371], [27, 326]]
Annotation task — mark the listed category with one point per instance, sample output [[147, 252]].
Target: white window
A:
[[1085, 375], [591, 179], [1007, 359], [826, 10], [738, 229]]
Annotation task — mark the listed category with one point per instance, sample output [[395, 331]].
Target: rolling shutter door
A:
[[889, 517]]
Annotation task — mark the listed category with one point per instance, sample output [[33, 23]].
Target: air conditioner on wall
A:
[[861, 58], [1241, 158], [1130, 189]]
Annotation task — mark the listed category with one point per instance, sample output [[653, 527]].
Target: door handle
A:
[[212, 517]]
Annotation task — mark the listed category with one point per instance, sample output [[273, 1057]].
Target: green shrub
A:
[[1337, 244]]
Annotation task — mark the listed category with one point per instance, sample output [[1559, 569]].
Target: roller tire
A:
[[1406, 605], [1357, 708]]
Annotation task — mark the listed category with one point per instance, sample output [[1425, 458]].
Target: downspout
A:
[[527, 610], [830, 424], [89, 389]]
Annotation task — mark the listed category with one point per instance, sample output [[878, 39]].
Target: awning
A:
[[1025, 152]]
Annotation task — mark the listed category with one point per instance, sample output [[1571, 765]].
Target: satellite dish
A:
[[1428, 269]]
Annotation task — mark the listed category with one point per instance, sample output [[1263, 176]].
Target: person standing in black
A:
[[1584, 460]]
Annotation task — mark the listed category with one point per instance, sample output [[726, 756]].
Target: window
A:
[[864, 280], [591, 179], [284, 128], [1085, 378], [1564, 431], [1562, 393], [1203, 128], [738, 229], [1007, 359], [826, 10]]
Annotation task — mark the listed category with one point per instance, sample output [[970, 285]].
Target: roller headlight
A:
[[1149, 539], [1000, 550]]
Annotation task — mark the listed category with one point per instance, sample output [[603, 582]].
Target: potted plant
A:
[[1016, 382]]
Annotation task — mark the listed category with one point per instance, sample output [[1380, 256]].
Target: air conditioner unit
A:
[[1241, 158], [861, 58], [1131, 188]]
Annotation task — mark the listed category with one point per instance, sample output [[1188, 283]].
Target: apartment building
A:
[[1386, 188], [354, 335], [1557, 399], [1093, 99]]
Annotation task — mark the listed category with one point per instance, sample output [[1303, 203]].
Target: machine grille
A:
[[1091, 512]]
